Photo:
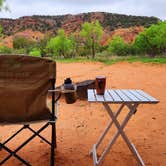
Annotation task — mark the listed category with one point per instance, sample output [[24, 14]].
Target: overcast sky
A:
[[20, 8]]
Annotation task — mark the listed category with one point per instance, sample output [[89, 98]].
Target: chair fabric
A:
[[24, 83]]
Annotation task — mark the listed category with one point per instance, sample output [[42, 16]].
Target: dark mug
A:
[[100, 84], [70, 94], [70, 97]]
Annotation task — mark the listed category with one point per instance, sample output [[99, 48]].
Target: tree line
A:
[[87, 42]]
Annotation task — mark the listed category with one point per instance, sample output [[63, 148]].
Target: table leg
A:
[[132, 148], [106, 129], [114, 138]]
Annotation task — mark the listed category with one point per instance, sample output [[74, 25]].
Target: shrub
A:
[[35, 52], [21, 42], [41, 44], [5, 50], [152, 41], [119, 47], [19, 51]]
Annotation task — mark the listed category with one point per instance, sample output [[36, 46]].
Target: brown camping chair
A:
[[24, 83]]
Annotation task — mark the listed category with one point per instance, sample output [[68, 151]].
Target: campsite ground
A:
[[80, 124]]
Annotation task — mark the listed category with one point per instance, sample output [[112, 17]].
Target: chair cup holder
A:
[[70, 95]]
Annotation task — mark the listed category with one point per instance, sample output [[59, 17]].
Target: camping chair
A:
[[24, 83]]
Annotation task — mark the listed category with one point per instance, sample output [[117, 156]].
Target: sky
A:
[[20, 8]]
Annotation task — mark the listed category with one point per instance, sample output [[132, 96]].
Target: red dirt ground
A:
[[80, 124]]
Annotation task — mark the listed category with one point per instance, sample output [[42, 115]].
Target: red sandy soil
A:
[[80, 124]]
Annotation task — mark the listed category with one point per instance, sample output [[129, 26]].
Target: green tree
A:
[[152, 40], [1, 32], [76, 43], [119, 47], [92, 33], [3, 5], [35, 52], [60, 45], [21, 42], [41, 45]]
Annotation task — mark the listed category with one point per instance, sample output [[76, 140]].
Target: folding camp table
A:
[[129, 98]]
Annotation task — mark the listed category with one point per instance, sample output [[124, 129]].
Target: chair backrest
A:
[[24, 83]]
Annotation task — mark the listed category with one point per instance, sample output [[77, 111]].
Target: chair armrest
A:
[[59, 94], [63, 90]]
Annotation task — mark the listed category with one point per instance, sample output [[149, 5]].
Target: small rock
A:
[[41, 141], [78, 126]]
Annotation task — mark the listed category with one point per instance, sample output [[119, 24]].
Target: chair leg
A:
[[12, 153], [55, 137], [53, 143]]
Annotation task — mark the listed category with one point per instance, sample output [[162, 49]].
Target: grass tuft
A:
[[115, 59]]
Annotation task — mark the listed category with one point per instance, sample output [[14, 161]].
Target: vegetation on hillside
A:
[[86, 43], [80, 35], [152, 41], [72, 23]]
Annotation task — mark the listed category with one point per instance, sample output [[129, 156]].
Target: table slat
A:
[[130, 95], [123, 96], [108, 97], [114, 95], [99, 98], [150, 98], [140, 97], [91, 96]]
